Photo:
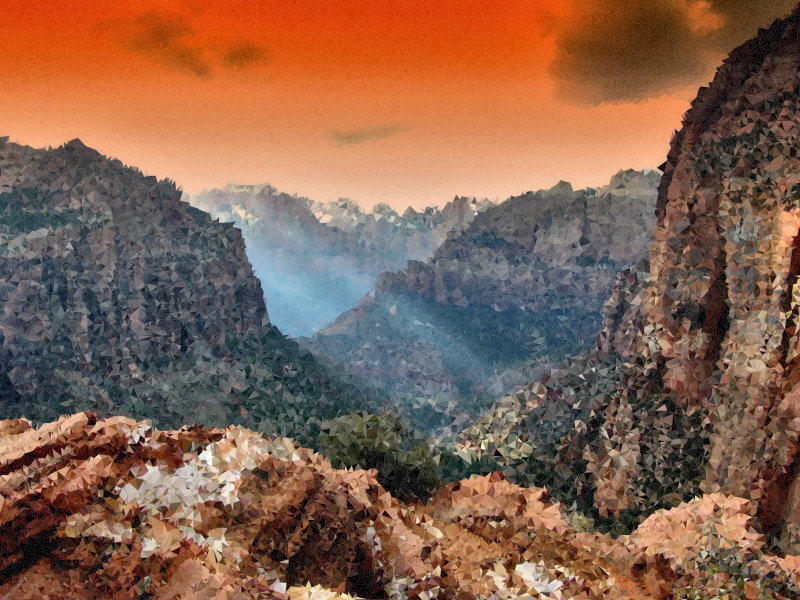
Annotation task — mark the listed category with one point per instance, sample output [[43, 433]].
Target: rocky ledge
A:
[[113, 508]]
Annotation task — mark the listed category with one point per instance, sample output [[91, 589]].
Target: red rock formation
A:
[[725, 249], [113, 509]]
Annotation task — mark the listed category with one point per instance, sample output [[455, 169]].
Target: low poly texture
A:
[[540, 434], [316, 260], [677, 429], [117, 297], [708, 397], [93, 508], [498, 305], [721, 335]]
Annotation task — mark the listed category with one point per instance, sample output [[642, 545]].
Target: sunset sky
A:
[[408, 102]]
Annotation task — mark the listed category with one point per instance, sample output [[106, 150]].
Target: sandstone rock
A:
[[113, 508], [720, 335], [705, 351]]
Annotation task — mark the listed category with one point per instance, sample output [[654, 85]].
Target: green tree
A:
[[407, 467]]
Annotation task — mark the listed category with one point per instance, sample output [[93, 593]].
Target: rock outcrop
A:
[[709, 398], [720, 335], [117, 296], [98, 509]]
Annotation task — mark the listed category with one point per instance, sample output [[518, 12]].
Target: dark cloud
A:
[[628, 50], [744, 17], [159, 38], [245, 54], [366, 134]]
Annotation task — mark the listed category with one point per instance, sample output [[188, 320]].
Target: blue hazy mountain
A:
[[315, 260]]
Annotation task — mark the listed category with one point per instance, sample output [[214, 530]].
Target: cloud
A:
[[627, 50], [245, 54], [744, 17], [159, 38], [366, 134]]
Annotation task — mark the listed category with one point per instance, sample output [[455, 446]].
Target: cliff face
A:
[[315, 260], [517, 292], [117, 296], [721, 308], [96, 509], [708, 400]]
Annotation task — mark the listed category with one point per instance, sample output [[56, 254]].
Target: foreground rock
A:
[[111, 508]]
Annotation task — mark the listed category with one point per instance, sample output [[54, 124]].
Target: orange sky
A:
[[408, 102]]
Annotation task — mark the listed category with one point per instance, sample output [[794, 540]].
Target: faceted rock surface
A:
[[516, 292], [720, 335], [93, 508], [702, 355], [116, 296]]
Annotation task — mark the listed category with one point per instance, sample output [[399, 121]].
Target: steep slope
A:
[[96, 509], [116, 296], [521, 289], [316, 260], [539, 434], [709, 399], [720, 335]]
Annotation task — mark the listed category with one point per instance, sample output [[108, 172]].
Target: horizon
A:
[[407, 105], [189, 197]]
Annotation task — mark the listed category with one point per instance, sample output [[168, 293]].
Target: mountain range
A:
[[315, 260], [498, 304], [147, 401], [115, 295]]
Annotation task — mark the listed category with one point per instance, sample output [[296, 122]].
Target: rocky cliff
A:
[[116, 296], [719, 346], [98, 509], [709, 398]]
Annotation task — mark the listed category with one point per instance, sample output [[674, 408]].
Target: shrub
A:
[[407, 468], [723, 575]]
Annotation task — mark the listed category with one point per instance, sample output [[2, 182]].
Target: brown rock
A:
[[122, 511], [709, 397], [113, 509]]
